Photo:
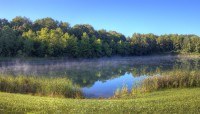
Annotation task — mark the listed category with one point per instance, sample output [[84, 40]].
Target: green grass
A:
[[166, 101], [60, 87]]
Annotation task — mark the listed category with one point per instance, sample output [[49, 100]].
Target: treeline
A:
[[50, 38]]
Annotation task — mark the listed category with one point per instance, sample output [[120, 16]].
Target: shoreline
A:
[[190, 55]]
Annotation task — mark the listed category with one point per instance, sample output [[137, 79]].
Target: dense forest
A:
[[50, 38]]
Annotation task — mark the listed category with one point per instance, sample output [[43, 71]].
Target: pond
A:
[[99, 77]]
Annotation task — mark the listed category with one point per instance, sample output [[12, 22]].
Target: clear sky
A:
[[124, 16]]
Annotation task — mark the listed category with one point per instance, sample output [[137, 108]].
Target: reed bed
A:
[[173, 79], [60, 87]]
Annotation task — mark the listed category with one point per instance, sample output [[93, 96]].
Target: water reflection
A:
[[98, 77], [107, 89]]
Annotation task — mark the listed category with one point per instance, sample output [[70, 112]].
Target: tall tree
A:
[[45, 23], [64, 26], [28, 46], [71, 45], [106, 49], [97, 45], [21, 24], [57, 42], [85, 46], [4, 22], [8, 40], [79, 29]]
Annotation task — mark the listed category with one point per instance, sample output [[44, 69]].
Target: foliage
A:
[[49, 37], [8, 44]]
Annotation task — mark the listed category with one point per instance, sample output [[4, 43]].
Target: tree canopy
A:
[[50, 38]]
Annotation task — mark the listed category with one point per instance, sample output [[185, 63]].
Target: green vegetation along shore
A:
[[166, 101], [169, 80], [59, 87], [173, 79], [172, 92]]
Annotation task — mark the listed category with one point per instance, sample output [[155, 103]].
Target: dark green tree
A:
[[71, 49], [28, 46], [106, 49], [21, 24], [8, 38], [45, 23]]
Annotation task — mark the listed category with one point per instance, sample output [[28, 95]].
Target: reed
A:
[[61, 87], [121, 92], [174, 79]]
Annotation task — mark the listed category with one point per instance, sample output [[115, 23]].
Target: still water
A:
[[99, 77]]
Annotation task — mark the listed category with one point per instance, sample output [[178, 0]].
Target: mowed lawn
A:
[[166, 101]]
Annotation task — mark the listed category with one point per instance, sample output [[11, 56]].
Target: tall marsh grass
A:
[[61, 87], [121, 92], [173, 79]]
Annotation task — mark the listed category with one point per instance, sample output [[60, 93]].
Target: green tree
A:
[[85, 46], [45, 23], [8, 38], [43, 42], [120, 47], [113, 46], [57, 42], [197, 48], [79, 29], [97, 45], [48, 37], [28, 47], [106, 49], [4, 22], [21, 24], [164, 43], [64, 26], [71, 45]]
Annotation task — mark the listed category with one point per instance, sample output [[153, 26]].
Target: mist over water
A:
[[99, 77]]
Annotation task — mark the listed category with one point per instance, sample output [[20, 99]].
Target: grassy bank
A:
[[59, 87], [168, 101]]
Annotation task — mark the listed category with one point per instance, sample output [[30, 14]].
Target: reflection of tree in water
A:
[[87, 76], [87, 73], [187, 64]]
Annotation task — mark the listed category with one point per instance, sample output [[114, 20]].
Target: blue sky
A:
[[124, 16]]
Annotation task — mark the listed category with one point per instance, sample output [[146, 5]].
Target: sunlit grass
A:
[[60, 87], [169, 101]]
